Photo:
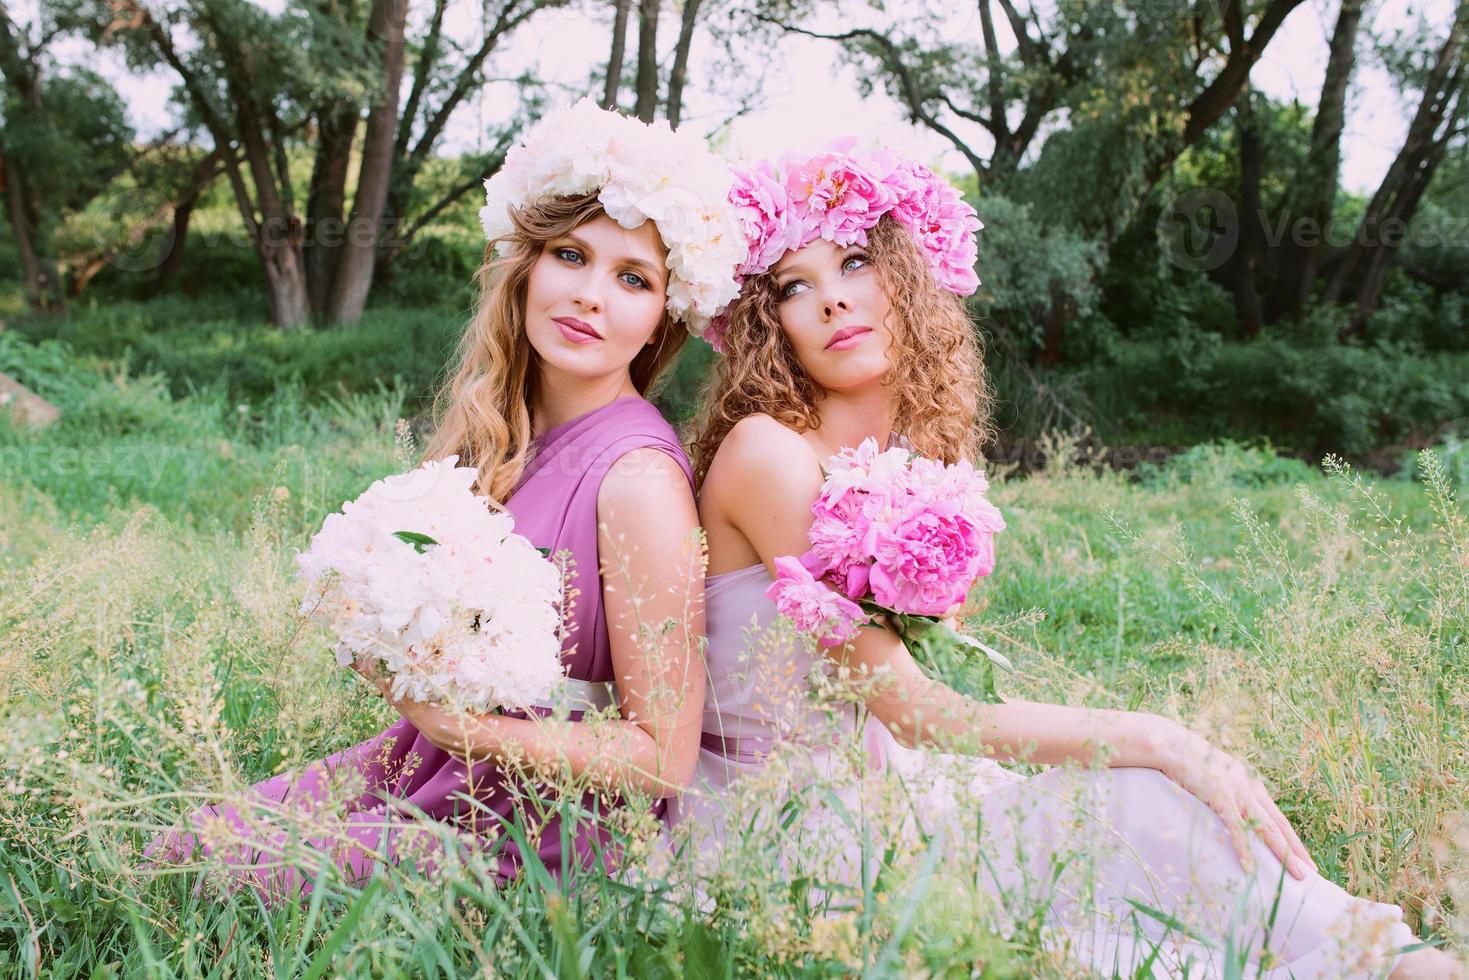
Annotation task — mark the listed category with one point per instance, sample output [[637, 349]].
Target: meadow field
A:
[[1314, 621]]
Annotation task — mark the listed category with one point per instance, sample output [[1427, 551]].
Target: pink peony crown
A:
[[839, 194]]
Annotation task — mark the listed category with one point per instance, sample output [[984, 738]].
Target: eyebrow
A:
[[799, 266], [790, 268], [647, 268]]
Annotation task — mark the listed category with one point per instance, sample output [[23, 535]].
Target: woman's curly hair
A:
[[937, 374]]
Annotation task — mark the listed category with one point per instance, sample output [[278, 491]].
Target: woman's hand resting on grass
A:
[[1232, 790]]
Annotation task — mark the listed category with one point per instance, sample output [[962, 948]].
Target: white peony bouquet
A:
[[420, 575]]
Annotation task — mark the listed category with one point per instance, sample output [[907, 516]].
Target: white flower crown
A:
[[643, 172]]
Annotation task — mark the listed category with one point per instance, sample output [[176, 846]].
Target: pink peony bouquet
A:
[[895, 535], [421, 577]]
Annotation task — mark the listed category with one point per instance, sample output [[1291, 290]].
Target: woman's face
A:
[[595, 297], [835, 312]]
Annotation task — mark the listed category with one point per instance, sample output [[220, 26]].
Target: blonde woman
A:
[[850, 325], [612, 238]]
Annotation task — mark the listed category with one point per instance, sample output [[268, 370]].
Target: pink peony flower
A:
[[941, 223], [911, 533], [762, 208], [836, 198], [927, 558], [900, 534], [837, 538], [814, 607]]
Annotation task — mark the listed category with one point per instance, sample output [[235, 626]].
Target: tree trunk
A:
[[403, 237], [1247, 299], [277, 233], [1313, 197], [1369, 287], [40, 282], [1225, 86], [175, 254], [619, 52], [647, 82], [1053, 325], [280, 235], [354, 274], [427, 57], [22, 76], [285, 279], [1002, 160], [1439, 102], [205, 171], [400, 184], [680, 71], [326, 199], [408, 162], [1219, 94]]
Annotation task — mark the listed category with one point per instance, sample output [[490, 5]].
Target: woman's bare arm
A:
[[653, 594], [759, 452]]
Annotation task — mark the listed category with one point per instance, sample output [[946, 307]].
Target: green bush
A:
[[1304, 398], [201, 344], [49, 368], [1025, 266], [1227, 462], [678, 394], [1452, 452], [435, 271]]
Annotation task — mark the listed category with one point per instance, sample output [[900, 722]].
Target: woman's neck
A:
[[848, 417], [560, 397]]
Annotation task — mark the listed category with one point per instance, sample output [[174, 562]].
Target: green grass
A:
[[151, 658]]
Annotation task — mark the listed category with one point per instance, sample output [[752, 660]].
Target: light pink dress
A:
[[1085, 848]]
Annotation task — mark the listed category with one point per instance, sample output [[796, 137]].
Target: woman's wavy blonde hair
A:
[[482, 413], [937, 374]]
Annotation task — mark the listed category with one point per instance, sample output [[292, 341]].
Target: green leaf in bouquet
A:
[[949, 654], [999, 658], [419, 541], [943, 652]]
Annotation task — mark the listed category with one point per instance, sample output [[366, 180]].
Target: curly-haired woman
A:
[[1162, 852]]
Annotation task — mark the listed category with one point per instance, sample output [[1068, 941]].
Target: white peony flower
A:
[[640, 172], [471, 619]]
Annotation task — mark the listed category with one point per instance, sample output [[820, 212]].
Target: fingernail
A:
[[1297, 867]]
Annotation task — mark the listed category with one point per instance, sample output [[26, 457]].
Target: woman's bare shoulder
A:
[[647, 479], [759, 445], [761, 456]]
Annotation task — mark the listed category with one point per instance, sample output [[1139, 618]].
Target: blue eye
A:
[[568, 255], [788, 290], [861, 260], [634, 280]]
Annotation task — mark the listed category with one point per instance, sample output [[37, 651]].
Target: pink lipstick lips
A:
[[576, 331], [847, 337]]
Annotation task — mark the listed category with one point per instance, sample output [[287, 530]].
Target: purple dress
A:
[[555, 506]]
